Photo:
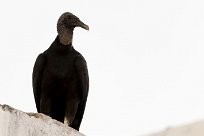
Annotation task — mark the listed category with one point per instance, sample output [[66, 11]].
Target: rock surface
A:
[[17, 123], [194, 129]]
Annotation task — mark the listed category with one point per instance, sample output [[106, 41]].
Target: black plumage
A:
[[60, 77]]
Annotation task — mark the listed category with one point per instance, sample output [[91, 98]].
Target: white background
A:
[[145, 59]]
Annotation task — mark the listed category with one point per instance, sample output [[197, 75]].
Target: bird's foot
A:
[[67, 121]]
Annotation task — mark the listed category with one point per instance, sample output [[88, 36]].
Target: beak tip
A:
[[86, 27]]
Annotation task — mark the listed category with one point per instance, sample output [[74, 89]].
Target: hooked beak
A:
[[82, 25]]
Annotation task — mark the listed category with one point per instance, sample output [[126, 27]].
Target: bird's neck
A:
[[66, 37], [60, 48]]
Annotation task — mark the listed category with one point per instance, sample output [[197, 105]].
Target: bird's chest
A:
[[60, 67]]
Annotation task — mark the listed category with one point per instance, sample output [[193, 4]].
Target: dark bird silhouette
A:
[[60, 76]]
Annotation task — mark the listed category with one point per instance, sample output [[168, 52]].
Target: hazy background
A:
[[145, 59]]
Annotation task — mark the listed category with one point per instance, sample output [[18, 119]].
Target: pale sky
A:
[[145, 60]]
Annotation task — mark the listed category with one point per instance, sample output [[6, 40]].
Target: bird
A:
[[60, 76]]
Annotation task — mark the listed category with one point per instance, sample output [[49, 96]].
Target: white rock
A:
[[17, 123], [194, 129]]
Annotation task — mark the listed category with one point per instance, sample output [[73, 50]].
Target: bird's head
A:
[[65, 26]]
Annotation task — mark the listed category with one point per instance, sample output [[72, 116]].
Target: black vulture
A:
[[60, 76]]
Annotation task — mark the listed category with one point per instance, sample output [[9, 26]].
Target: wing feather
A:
[[83, 83], [36, 78]]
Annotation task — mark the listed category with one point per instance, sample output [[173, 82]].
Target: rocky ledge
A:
[[17, 123]]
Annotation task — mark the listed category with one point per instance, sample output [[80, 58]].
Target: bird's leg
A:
[[70, 111], [67, 121]]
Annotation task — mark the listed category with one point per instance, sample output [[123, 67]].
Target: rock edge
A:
[[14, 122]]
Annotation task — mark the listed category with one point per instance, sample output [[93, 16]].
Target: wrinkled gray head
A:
[[65, 26], [69, 21]]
